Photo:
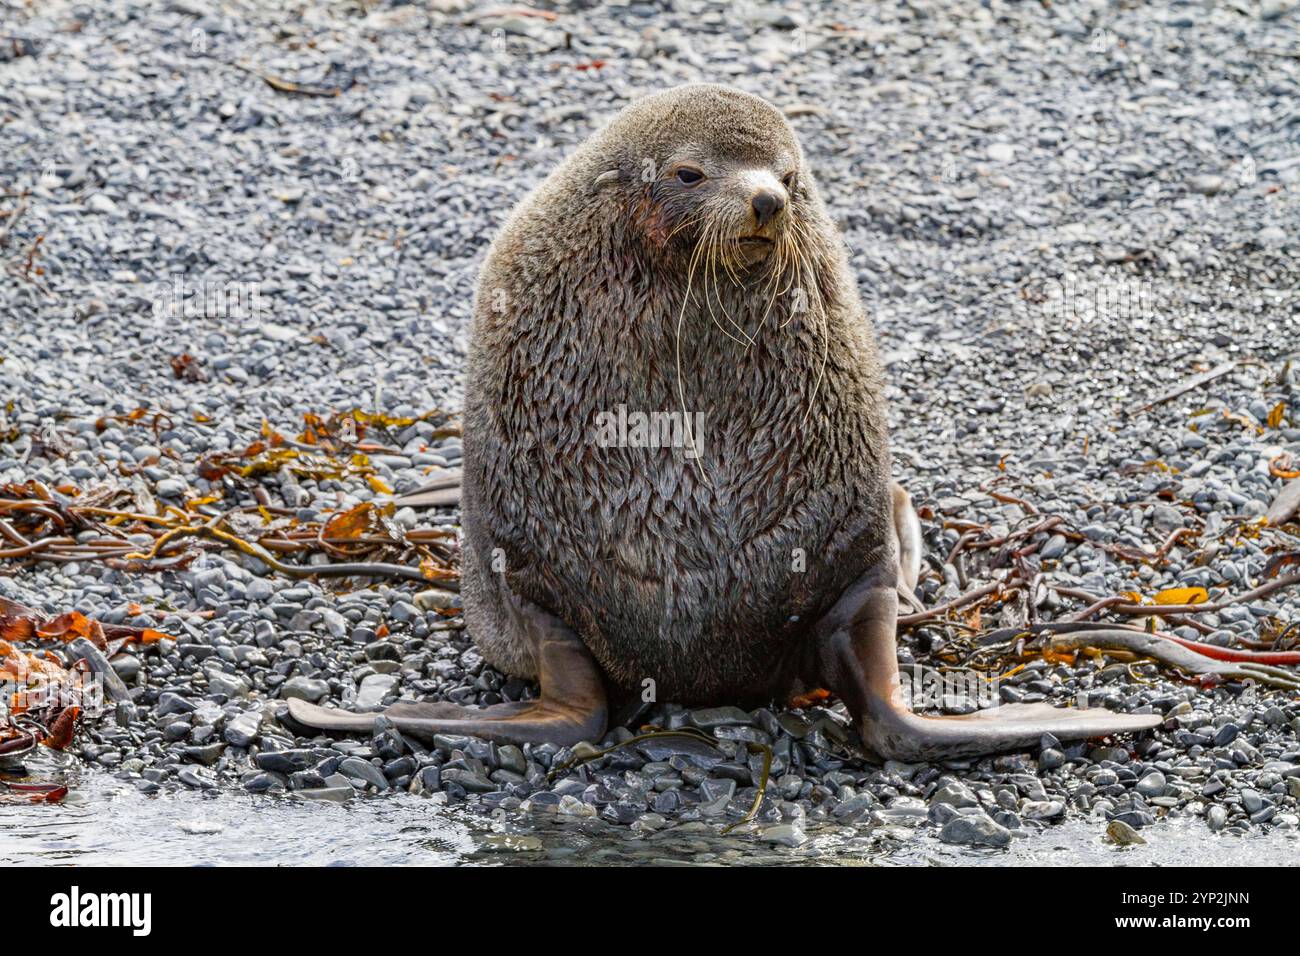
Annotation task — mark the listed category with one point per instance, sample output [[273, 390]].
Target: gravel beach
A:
[[243, 220]]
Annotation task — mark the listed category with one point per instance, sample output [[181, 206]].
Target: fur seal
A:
[[749, 541]]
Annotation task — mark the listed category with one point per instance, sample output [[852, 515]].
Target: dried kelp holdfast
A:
[[23, 733]]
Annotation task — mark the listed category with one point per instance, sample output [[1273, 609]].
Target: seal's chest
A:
[[736, 535]]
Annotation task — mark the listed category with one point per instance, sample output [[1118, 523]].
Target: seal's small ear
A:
[[608, 178]]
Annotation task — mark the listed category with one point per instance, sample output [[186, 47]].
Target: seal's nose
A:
[[766, 205]]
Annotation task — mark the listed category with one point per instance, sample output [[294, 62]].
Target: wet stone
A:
[[941, 813], [206, 755], [854, 809], [306, 780], [1137, 819], [1226, 735], [241, 731], [1152, 785], [305, 688], [358, 770], [711, 717], [975, 829], [264, 783], [471, 781], [1042, 810], [785, 834], [732, 771], [715, 789], [427, 780], [170, 703], [286, 761], [1051, 759], [955, 794], [373, 690], [1121, 834]]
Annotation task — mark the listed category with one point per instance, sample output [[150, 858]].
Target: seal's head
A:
[[709, 175]]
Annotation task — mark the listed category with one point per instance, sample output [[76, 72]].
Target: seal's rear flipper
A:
[[571, 707], [856, 656], [898, 734]]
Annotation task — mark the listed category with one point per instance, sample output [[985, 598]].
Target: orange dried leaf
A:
[[1275, 416], [352, 523], [66, 627], [813, 697], [16, 629], [1182, 596], [63, 728]]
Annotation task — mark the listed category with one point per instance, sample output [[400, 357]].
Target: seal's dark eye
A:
[[689, 177], [788, 181]]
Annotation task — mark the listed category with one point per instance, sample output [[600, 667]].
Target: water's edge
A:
[[106, 822]]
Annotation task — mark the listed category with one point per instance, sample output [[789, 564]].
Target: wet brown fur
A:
[[670, 569]]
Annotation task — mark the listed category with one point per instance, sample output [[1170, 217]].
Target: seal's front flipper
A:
[[571, 707], [857, 656]]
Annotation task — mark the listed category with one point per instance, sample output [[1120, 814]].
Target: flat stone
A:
[[243, 730], [354, 768], [955, 795], [472, 782], [710, 717], [975, 829], [1042, 809], [1121, 834], [305, 688], [784, 834]]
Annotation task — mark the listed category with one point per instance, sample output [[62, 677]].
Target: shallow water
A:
[[107, 822]]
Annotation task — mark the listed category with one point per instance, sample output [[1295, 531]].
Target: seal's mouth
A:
[[751, 250]]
